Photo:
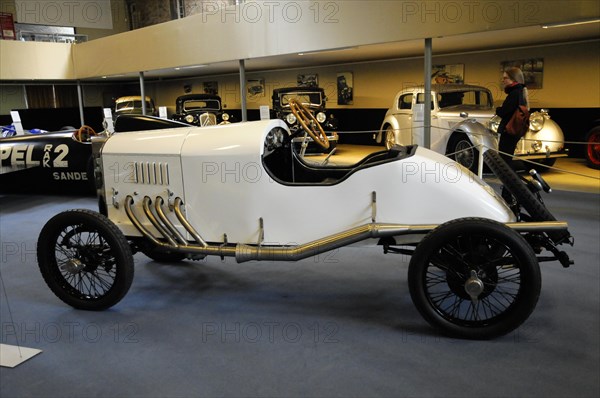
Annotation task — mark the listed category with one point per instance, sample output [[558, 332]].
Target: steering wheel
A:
[[306, 119], [84, 133]]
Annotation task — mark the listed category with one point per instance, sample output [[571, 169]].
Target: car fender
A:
[[479, 135], [391, 120]]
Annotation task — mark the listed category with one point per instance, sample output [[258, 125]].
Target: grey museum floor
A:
[[336, 325]]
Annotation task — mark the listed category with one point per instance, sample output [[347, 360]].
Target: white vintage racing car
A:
[[228, 191]]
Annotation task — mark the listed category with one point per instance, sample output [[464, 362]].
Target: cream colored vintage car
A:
[[242, 190], [462, 118]]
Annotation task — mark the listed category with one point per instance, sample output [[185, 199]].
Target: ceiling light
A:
[[572, 23], [333, 50], [190, 67]]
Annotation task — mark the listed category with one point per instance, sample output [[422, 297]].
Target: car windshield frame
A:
[[208, 105], [132, 104], [306, 98], [471, 98]]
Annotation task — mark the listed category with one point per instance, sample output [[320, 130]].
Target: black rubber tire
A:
[[469, 157], [442, 265], [592, 154], [513, 183], [85, 259]]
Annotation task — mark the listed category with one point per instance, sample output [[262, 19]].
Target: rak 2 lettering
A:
[[25, 156]]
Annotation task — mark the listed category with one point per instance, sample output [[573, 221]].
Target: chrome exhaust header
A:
[[245, 252]]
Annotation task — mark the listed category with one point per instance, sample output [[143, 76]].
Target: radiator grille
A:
[[151, 173], [208, 119]]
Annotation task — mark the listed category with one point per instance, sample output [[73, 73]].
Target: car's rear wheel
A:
[[592, 150], [389, 137], [461, 150], [474, 278], [85, 259]]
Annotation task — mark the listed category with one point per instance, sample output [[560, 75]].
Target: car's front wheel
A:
[[474, 278], [461, 150], [85, 259]]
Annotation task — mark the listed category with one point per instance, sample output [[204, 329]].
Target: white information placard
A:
[[108, 120], [17, 122], [264, 112], [12, 355], [162, 112]]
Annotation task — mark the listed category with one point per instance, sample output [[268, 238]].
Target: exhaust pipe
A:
[[244, 252]]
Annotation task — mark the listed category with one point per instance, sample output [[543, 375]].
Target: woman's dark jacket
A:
[[514, 98]]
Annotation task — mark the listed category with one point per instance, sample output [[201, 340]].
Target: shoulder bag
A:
[[519, 121]]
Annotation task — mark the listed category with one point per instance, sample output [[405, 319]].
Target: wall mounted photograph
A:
[[308, 80], [255, 88], [448, 74], [533, 70], [211, 87], [345, 90]]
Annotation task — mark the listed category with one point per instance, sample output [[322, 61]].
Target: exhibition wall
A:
[[569, 72]]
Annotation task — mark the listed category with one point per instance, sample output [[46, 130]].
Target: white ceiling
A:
[[476, 42]]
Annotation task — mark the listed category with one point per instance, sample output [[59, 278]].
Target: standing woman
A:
[[514, 87]]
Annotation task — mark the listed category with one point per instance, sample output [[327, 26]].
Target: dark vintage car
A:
[[132, 104], [314, 100], [60, 162], [201, 110]]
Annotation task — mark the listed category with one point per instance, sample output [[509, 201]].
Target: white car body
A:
[[242, 190], [220, 175], [452, 120]]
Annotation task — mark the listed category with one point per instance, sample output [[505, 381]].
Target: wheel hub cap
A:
[[474, 286], [74, 266]]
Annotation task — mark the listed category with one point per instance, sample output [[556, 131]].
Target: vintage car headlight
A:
[[536, 121], [290, 118], [321, 117], [225, 117], [189, 118]]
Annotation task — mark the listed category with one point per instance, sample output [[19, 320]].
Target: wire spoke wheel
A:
[[85, 259], [390, 138], [474, 278]]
